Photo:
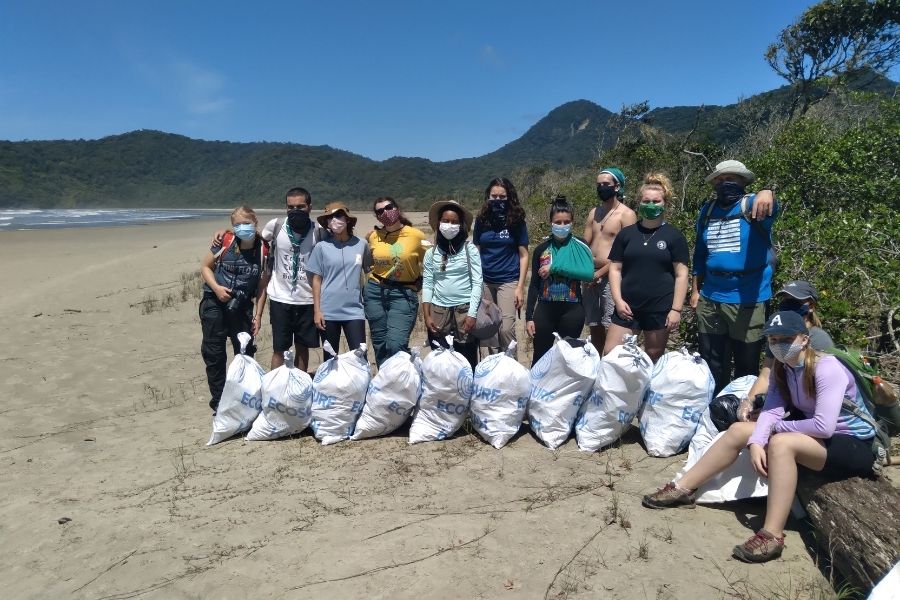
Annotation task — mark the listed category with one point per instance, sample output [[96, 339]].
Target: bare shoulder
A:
[[623, 218]]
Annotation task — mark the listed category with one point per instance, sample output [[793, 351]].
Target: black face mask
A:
[[298, 220], [605, 192], [729, 192], [794, 305]]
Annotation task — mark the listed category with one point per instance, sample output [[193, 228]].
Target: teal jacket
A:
[[452, 286]]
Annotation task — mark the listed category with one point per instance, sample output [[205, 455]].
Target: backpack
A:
[[272, 245], [882, 418], [706, 211], [229, 239]]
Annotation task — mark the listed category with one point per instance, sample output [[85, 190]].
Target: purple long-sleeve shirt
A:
[[822, 411]]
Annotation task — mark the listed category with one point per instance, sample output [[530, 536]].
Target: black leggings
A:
[[564, 318], [354, 331], [220, 325]]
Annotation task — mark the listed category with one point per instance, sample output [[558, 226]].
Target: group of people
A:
[[629, 273]]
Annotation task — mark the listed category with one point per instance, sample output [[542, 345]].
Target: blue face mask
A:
[[498, 209], [729, 192], [244, 231], [561, 232]]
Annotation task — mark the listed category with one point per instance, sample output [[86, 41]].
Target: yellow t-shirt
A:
[[397, 256]]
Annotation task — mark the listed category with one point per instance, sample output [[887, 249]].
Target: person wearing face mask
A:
[[501, 236], [648, 272], [828, 431], [337, 265], [452, 280], [231, 273], [603, 224], [289, 291], [559, 266], [802, 298], [390, 294], [733, 266]]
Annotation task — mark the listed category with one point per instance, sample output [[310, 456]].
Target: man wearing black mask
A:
[[733, 266], [291, 302], [603, 223]]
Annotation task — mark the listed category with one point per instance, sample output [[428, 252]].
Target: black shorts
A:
[[292, 324], [642, 321], [847, 456]]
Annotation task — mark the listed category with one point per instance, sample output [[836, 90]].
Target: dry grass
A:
[[188, 287]]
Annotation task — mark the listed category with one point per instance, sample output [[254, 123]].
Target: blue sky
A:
[[442, 80]]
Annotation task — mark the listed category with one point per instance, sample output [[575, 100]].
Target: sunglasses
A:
[[380, 211]]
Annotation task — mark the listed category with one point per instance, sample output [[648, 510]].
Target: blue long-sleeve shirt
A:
[[452, 286]]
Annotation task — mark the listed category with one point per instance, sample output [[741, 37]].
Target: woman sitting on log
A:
[[822, 433]]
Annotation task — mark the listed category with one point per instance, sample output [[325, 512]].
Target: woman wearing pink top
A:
[[822, 434]]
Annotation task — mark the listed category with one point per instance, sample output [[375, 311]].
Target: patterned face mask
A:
[[786, 352]]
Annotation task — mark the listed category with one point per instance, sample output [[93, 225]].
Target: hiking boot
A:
[[670, 496], [762, 547]]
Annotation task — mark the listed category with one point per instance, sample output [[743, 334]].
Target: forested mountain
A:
[[152, 168]]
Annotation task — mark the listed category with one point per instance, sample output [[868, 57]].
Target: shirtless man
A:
[[600, 229]]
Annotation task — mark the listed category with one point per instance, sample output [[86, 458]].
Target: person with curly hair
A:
[[501, 236]]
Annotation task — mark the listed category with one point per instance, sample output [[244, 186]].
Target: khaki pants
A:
[[450, 320], [504, 296]]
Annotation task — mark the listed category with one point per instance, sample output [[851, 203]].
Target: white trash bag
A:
[[241, 398], [619, 389], [339, 393], [738, 481], [392, 395], [561, 381], [286, 402], [681, 387], [500, 393], [446, 392]]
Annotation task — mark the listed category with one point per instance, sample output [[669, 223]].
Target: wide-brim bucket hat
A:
[[733, 167], [333, 208], [434, 213]]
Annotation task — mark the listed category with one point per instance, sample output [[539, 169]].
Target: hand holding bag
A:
[[489, 318]]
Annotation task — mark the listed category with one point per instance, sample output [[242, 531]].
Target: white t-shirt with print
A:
[[281, 287]]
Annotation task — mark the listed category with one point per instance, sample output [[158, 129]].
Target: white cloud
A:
[[201, 89]]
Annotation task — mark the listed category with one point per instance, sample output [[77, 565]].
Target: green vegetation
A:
[[828, 143], [834, 41], [152, 168]]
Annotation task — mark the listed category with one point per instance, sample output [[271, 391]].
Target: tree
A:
[[835, 40]]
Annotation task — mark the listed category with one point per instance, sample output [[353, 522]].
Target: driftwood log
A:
[[857, 524]]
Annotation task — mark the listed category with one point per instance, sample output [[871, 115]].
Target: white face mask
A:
[[337, 225], [449, 230]]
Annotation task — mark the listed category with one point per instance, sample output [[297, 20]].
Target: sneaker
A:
[[761, 547], [670, 496]]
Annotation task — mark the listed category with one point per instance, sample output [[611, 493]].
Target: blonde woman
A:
[[814, 416], [231, 273], [648, 272]]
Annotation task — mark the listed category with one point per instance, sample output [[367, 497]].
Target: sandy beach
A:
[[111, 493]]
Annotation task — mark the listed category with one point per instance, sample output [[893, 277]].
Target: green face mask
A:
[[650, 211]]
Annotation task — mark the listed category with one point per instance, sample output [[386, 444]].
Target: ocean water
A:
[[21, 219]]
